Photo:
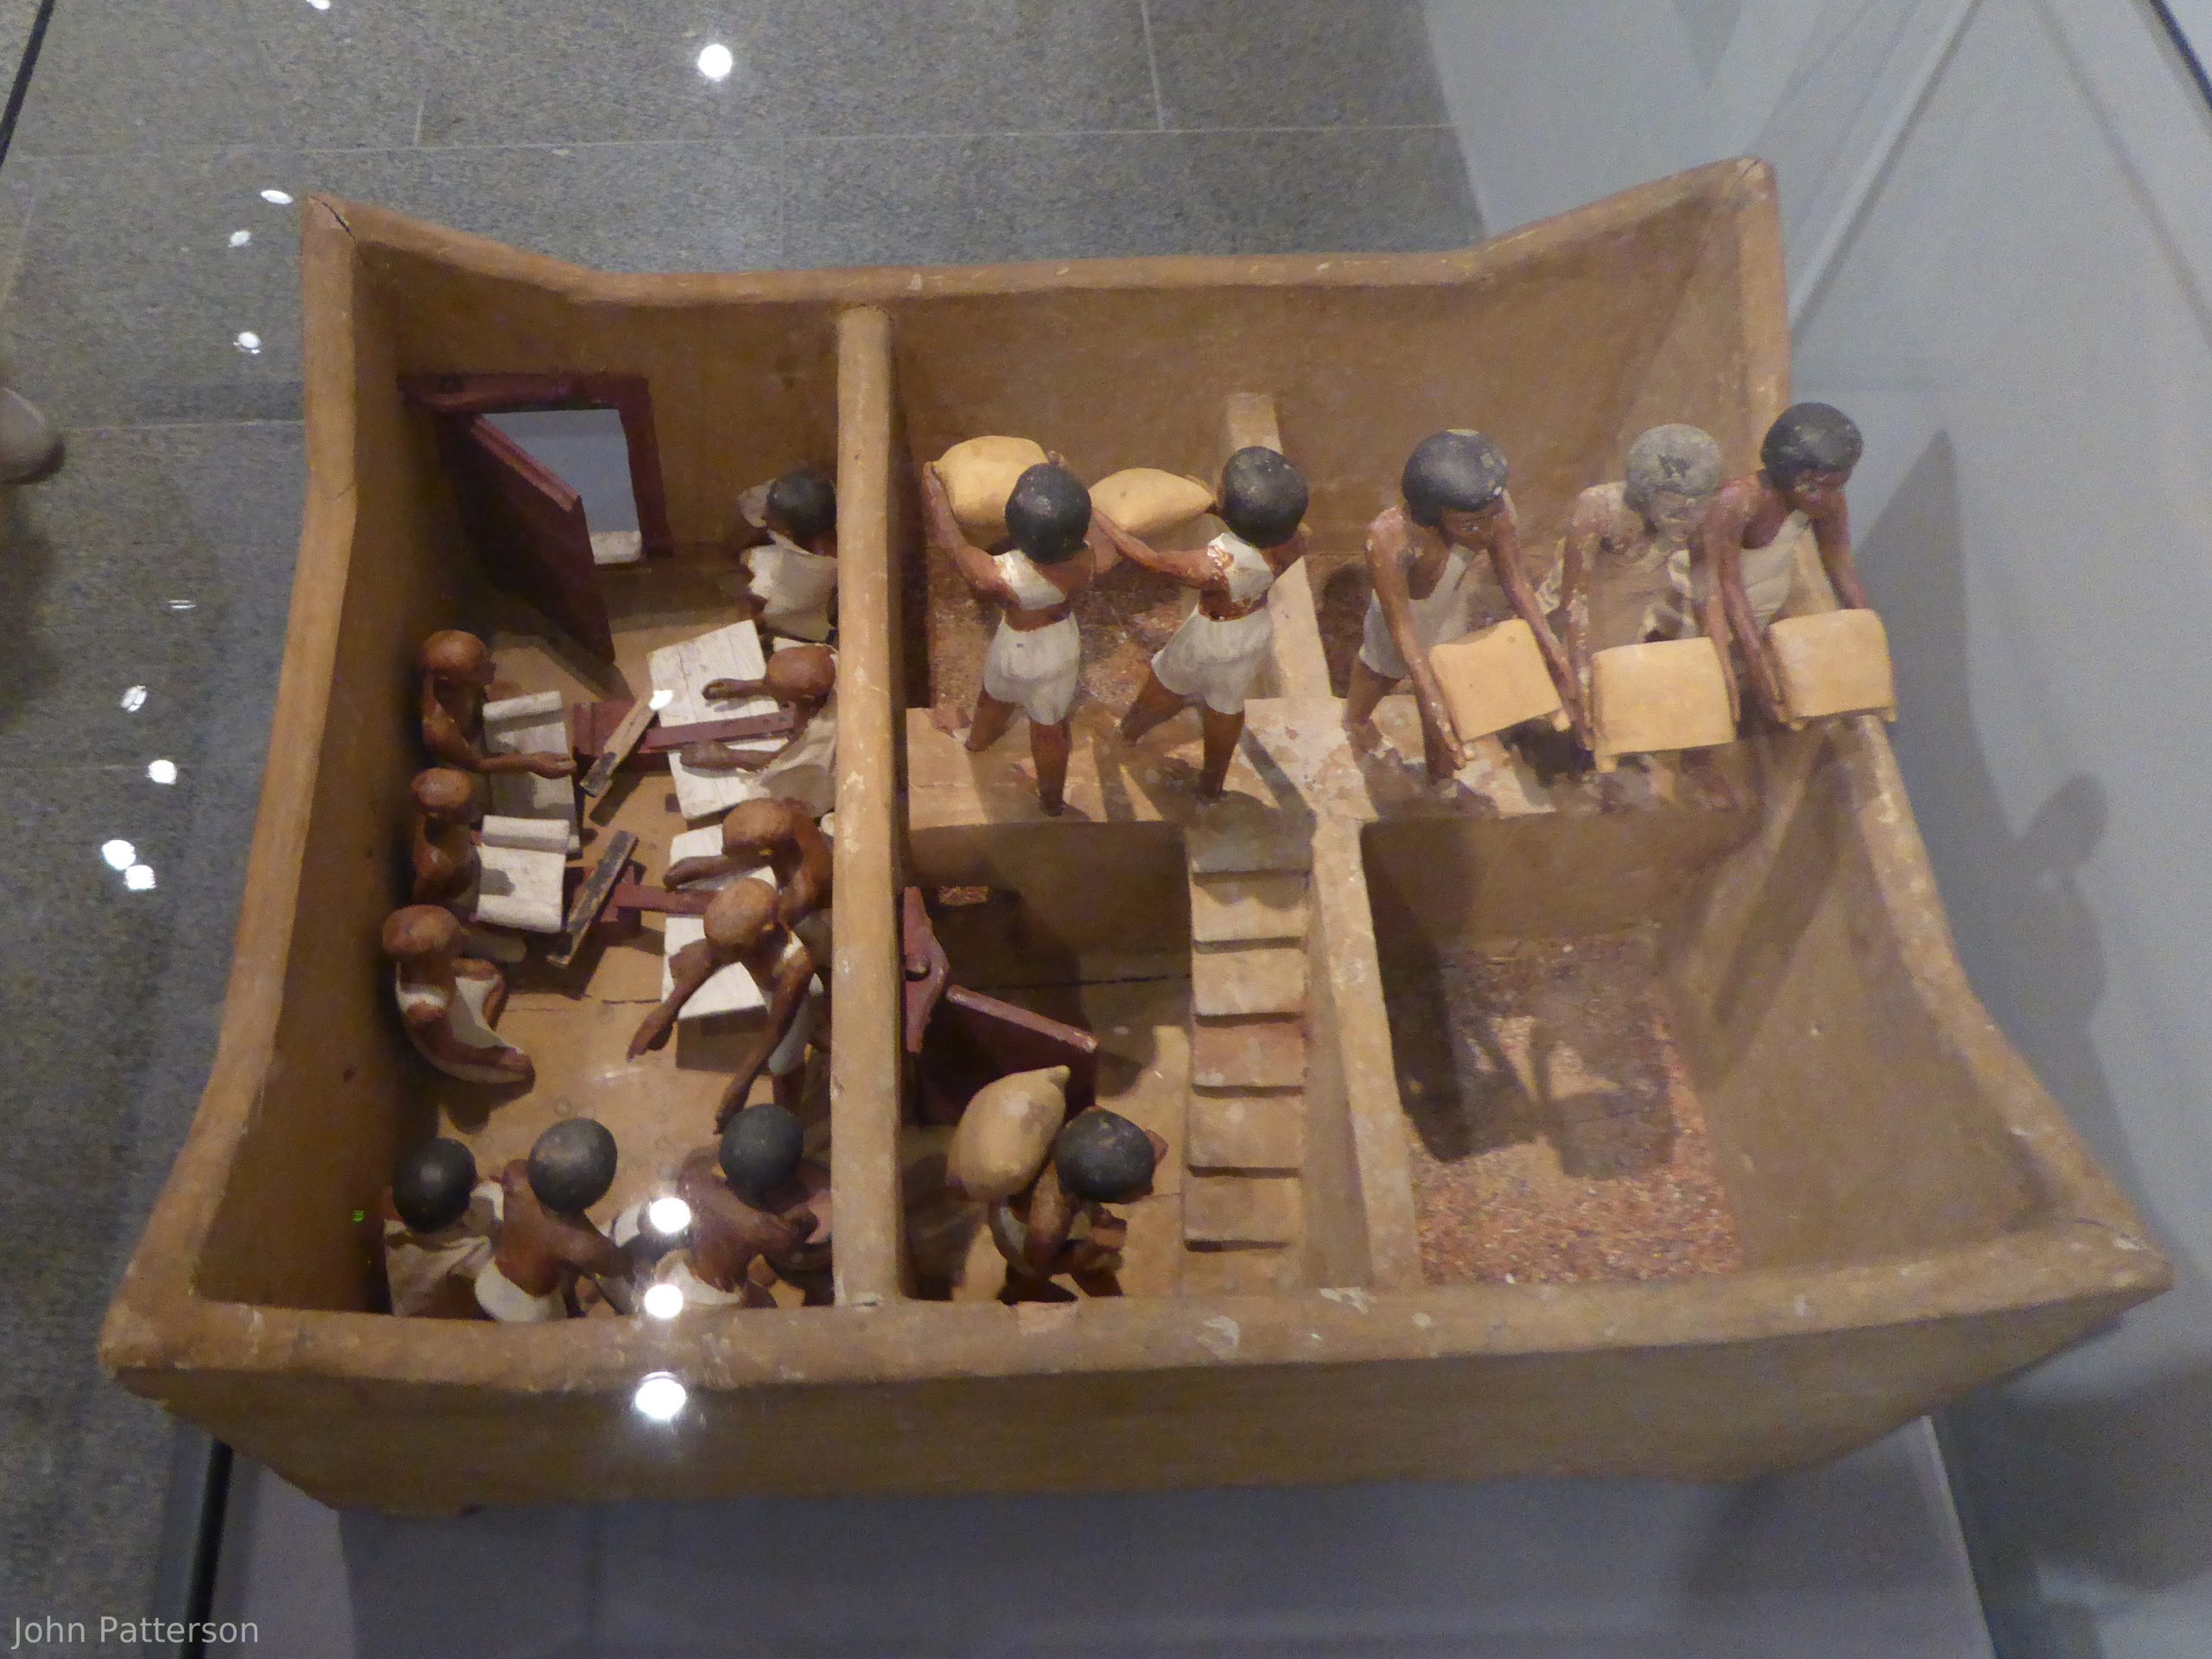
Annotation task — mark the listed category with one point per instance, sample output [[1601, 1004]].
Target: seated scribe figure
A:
[[804, 679], [782, 834], [1626, 568], [1217, 655], [758, 1212], [1035, 659], [438, 1223], [456, 672], [442, 837], [793, 566], [1747, 544], [743, 928], [546, 1241], [449, 1002], [1445, 564], [1061, 1224]]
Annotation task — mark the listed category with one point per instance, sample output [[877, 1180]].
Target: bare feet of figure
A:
[[1024, 772], [948, 719], [1365, 737]]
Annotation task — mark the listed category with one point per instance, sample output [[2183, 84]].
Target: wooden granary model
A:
[[1548, 1124]]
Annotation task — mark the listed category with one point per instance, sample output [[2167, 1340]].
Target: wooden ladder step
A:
[[1240, 837], [1245, 1132], [1235, 984], [1244, 1054], [1227, 1211], [1240, 1273], [1262, 907]]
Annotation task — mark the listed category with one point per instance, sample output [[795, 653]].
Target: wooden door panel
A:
[[628, 395], [529, 528]]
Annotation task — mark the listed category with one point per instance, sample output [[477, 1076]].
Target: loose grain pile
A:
[[1556, 1138]]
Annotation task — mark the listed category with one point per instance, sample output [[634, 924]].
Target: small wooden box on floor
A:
[[1834, 663], [1652, 698], [1915, 1217], [1494, 680]]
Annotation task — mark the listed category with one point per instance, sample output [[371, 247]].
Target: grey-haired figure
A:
[[1053, 550], [1445, 562], [1628, 548], [1747, 545], [1218, 652]]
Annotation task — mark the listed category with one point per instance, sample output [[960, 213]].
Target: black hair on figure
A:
[[1451, 472], [572, 1164], [1810, 438], [1048, 515], [1263, 498]]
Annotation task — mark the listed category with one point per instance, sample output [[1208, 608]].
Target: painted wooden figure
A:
[[442, 837], [1445, 563], [791, 568], [780, 834], [546, 1241], [1061, 1225], [438, 1224], [1747, 543], [760, 1212], [449, 1002], [1216, 657], [1626, 570], [1036, 657], [457, 672], [804, 679], [743, 928]]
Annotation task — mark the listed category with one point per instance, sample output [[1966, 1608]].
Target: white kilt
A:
[[789, 1054], [1215, 661], [506, 1301], [1036, 669]]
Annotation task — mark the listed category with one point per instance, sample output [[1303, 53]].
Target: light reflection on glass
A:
[[662, 1302], [180, 604], [668, 1217], [119, 854], [249, 342], [659, 1397], [278, 198], [319, 5], [134, 699], [161, 772], [239, 239], [716, 60], [139, 878]]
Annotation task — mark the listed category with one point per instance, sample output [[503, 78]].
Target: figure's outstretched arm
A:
[[944, 533], [545, 764], [1579, 556], [1721, 544], [1192, 566], [785, 1001], [694, 964], [685, 871], [1513, 577], [1386, 546], [1832, 535], [731, 690]]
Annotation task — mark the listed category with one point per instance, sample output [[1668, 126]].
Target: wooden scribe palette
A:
[[1734, 981]]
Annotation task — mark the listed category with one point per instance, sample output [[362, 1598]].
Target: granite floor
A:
[[148, 288]]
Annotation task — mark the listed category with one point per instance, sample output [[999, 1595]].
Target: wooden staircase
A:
[[1244, 1140]]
